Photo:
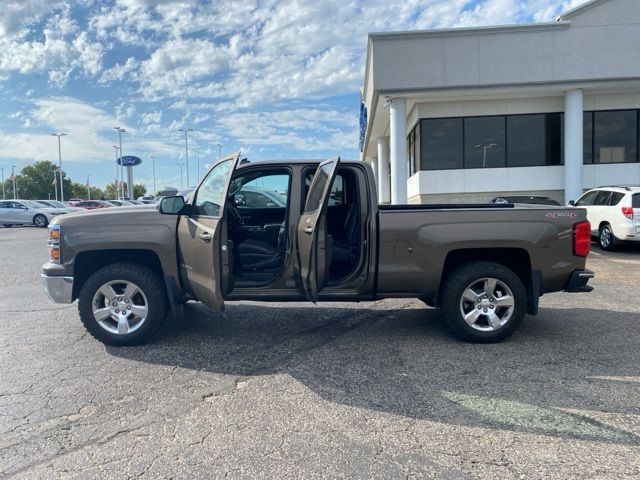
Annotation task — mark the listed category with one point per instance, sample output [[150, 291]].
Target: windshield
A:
[[32, 204]]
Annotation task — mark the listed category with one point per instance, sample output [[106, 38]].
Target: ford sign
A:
[[129, 161]]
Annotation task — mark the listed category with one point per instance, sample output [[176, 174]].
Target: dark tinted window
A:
[[635, 202], [587, 137], [587, 199], [602, 198], [484, 142], [320, 179], [5, 204], [555, 139], [615, 198], [525, 140], [441, 144], [615, 136]]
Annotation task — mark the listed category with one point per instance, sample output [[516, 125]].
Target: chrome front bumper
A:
[[58, 289]]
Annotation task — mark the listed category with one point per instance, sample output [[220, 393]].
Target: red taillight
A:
[[628, 212], [582, 238]]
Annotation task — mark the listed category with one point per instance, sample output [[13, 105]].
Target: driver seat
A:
[[260, 256]]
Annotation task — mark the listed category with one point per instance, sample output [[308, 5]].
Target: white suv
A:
[[614, 213]]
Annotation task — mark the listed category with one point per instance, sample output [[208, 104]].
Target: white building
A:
[[539, 109]]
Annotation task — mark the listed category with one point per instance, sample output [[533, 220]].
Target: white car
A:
[[58, 205], [26, 212], [614, 213]]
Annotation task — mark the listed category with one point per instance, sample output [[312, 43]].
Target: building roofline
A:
[[580, 8], [443, 32]]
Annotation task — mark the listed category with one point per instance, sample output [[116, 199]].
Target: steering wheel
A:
[[234, 215]]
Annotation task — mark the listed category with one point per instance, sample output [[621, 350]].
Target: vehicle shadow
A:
[[558, 366]]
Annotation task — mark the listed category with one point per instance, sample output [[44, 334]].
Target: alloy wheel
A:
[[487, 304], [120, 307]]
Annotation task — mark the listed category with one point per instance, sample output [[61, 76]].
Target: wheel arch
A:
[[88, 262], [517, 260]]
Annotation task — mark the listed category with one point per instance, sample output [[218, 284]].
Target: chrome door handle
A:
[[308, 230], [205, 237]]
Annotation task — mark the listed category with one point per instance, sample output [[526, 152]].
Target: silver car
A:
[[26, 212], [57, 204]]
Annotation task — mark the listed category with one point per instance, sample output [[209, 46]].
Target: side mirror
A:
[[572, 203], [171, 205]]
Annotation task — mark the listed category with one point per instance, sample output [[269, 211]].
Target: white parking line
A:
[[595, 253]]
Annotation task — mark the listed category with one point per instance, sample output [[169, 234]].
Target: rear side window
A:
[[635, 200], [615, 198]]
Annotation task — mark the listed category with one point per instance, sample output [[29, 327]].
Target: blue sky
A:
[[275, 79]]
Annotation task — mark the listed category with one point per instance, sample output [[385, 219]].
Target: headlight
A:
[[54, 243]]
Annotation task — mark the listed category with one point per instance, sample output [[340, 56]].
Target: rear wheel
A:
[[123, 304], [606, 239], [40, 220], [483, 302]]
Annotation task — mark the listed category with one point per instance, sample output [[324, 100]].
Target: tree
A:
[[79, 190], [139, 191], [35, 181], [112, 191]]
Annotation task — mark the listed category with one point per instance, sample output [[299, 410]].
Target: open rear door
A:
[[311, 235], [202, 240]]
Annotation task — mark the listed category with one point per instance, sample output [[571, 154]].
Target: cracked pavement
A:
[[339, 390]]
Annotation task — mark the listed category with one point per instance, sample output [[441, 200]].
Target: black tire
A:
[[455, 285], [606, 238], [149, 282], [39, 220]]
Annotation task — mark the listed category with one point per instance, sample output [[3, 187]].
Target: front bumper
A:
[[578, 281], [59, 289]]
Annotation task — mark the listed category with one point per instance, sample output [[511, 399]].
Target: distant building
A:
[[466, 114]]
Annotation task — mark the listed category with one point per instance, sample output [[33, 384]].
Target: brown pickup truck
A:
[[306, 230]]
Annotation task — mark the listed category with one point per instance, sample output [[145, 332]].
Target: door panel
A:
[[202, 240], [311, 234]]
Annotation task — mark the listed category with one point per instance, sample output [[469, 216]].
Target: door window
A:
[[615, 198], [269, 190], [587, 199], [210, 196], [602, 198]]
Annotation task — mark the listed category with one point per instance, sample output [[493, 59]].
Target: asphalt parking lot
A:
[[369, 390]]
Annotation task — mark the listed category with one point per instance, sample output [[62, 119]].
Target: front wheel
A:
[[123, 304], [40, 221], [483, 302]]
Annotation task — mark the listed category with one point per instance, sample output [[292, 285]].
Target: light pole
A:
[[484, 152], [219, 150], [13, 177], [120, 131], [2, 170], [181, 183], [88, 188], [198, 156], [153, 167], [60, 164], [55, 183], [186, 149], [118, 180]]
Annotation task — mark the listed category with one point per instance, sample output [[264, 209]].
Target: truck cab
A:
[[276, 230]]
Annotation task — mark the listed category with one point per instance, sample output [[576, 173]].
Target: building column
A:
[[398, 150], [374, 167], [384, 187], [573, 142]]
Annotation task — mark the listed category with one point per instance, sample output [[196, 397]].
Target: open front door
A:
[[311, 235], [204, 254]]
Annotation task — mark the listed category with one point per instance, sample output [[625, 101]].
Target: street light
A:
[[484, 151], [120, 131], [118, 180], [181, 183], [13, 177], [186, 149], [2, 170], [153, 166], [198, 155], [219, 150], [88, 187], [60, 163]]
